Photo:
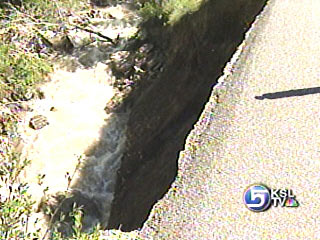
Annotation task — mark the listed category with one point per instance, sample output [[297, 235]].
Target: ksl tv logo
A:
[[259, 198]]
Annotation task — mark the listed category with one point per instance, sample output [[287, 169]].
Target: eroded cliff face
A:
[[162, 114], [142, 140]]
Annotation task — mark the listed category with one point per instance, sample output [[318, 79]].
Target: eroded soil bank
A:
[[149, 130], [162, 115]]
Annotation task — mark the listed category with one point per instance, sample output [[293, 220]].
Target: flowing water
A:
[[78, 127], [76, 101]]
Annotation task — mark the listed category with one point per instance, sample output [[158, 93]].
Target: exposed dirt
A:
[[155, 119], [162, 115], [266, 130]]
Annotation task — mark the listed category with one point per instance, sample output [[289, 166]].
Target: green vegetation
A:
[[169, 10], [15, 206], [23, 54], [20, 71], [179, 8]]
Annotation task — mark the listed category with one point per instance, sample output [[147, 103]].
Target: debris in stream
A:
[[37, 122]]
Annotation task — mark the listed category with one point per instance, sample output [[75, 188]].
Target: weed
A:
[[154, 8], [168, 10], [20, 71], [177, 9]]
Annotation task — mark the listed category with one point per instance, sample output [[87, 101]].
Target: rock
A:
[[100, 3], [133, 44], [146, 48], [91, 57], [122, 69], [62, 44], [122, 64], [53, 109], [37, 122]]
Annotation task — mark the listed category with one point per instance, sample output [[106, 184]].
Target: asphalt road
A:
[[264, 130]]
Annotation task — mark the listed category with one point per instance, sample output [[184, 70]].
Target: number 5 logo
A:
[[257, 198]]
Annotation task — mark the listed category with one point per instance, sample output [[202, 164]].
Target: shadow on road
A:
[[290, 93]]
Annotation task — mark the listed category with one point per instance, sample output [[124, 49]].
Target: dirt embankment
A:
[[162, 115]]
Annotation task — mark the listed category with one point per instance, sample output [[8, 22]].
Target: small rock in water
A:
[[53, 109], [63, 44], [38, 122], [91, 57], [100, 3]]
